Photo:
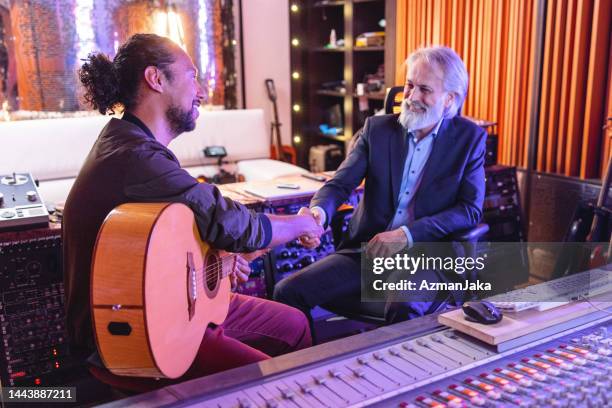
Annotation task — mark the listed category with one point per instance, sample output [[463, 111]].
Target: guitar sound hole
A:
[[212, 272]]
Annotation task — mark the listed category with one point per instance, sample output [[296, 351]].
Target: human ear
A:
[[153, 78], [449, 99]]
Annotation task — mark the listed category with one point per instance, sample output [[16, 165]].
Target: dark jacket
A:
[[451, 193], [127, 164]]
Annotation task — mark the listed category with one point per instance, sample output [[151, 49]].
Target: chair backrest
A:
[[393, 99]]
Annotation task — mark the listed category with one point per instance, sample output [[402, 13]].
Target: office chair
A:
[[393, 99], [373, 312]]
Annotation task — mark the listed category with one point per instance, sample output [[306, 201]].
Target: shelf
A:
[[346, 64], [330, 93], [377, 96], [377, 48], [324, 49], [337, 138], [330, 3]]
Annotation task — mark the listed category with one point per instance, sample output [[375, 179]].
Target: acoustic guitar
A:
[[278, 151], [155, 287]]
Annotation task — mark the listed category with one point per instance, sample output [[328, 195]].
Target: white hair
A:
[[453, 69]]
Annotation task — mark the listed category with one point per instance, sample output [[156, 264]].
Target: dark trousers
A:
[[336, 279]]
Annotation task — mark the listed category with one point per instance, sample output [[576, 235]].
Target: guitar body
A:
[[155, 287], [278, 151]]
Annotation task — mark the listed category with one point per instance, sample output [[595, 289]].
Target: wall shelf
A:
[[330, 93], [317, 65], [365, 49]]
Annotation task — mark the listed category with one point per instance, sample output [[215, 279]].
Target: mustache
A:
[[407, 104]]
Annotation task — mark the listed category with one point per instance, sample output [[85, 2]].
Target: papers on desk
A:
[[276, 189]]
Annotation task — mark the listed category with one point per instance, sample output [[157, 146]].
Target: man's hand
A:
[[312, 238], [242, 267], [241, 271], [316, 213], [387, 243]]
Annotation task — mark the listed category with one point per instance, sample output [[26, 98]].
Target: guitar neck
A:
[[276, 125]]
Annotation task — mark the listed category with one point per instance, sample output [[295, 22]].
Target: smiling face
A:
[[425, 100], [184, 94]]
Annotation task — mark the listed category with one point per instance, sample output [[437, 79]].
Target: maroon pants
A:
[[254, 330]]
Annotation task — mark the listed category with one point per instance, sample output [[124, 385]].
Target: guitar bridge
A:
[[192, 286]]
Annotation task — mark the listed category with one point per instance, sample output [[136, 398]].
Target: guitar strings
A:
[[216, 268]]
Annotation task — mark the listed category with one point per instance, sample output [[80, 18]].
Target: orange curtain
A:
[[497, 41], [606, 151], [571, 138]]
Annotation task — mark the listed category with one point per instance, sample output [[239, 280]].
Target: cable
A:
[[594, 305]]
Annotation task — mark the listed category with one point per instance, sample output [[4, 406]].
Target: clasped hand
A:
[[386, 243], [312, 238]]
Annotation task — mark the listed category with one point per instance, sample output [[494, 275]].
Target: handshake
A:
[[314, 227], [306, 226]]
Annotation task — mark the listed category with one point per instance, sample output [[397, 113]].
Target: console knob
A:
[[31, 195], [7, 214], [286, 267], [307, 260], [284, 254]]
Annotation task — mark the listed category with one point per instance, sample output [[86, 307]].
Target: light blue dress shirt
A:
[[416, 159]]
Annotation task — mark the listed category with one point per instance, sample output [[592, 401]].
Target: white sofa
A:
[[53, 150]]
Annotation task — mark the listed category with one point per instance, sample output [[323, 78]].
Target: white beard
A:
[[416, 120]]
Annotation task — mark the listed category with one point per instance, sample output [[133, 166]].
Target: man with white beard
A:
[[424, 180]]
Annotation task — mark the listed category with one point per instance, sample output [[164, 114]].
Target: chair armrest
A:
[[470, 235]]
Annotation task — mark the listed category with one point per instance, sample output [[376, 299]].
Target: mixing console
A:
[[447, 369], [34, 349]]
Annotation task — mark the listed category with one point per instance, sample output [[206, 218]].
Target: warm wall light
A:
[[295, 42], [84, 28], [297, 139], [295, 75], [168, 24], [295, 8], [296, 108]]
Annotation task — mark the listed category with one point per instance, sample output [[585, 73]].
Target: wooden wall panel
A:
[[531, 90], [594, 111], [526, 69], [578, 93], [550, 115], [606, 152]]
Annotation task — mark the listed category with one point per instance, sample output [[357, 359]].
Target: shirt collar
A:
[[127, 116], [434, 131]]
